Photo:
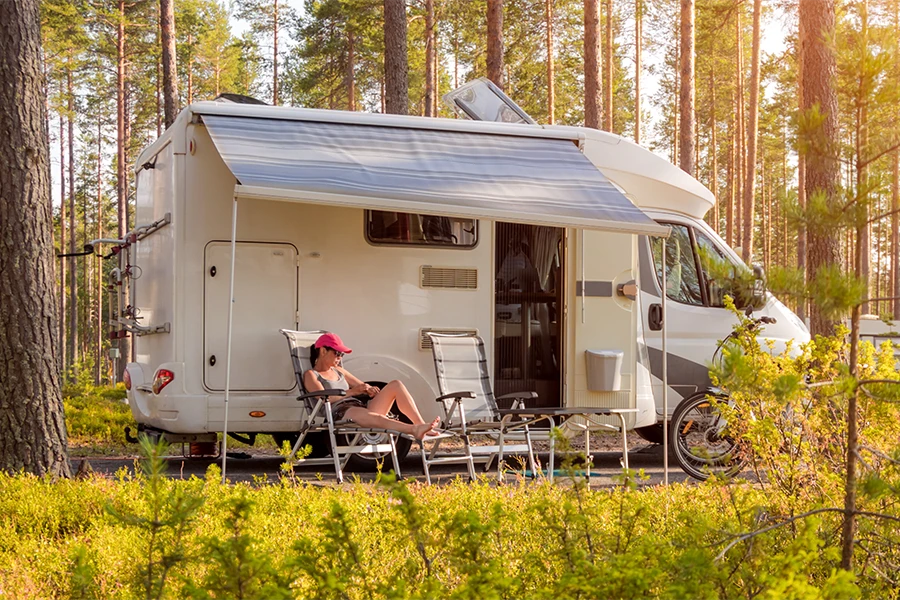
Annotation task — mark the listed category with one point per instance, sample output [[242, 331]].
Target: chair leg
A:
[[552, 449], [471, 460], [500, 458], [625, 441], [336, 456], [296, 446], [587, 454], [531, 460], [425, 463], [394, 458]]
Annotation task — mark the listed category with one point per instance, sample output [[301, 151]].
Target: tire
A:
[[651, 433], [317, 439], [698, 442]]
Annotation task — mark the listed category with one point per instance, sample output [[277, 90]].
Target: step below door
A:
[[265, 300]]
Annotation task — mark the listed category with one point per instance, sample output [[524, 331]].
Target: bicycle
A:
[[698, 437]]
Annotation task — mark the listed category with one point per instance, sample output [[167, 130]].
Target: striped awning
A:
[[535, 180]]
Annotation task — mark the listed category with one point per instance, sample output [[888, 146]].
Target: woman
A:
[[327, 373]]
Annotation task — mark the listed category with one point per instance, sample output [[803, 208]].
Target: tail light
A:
[[127, 379], [163, 378]]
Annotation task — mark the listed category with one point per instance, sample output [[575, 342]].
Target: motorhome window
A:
[[393, 228], [717, 269], [682, 276]]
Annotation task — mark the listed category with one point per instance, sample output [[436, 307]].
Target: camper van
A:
[[382, 228], [385, 228]]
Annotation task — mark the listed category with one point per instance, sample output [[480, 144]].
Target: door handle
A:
[[655, 317]]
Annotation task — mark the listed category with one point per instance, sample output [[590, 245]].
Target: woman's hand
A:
[[372, 390], [364, 388]]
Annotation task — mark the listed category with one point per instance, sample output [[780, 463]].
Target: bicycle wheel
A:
[[699, 441]]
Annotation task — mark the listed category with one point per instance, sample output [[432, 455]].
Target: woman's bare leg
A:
[[395, 391], [366, 418]]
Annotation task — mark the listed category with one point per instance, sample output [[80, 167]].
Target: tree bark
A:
[[170, 72], [739, 151], [396, 61], [121, 174], [495, 42], [429, 58], [551, 91], [822, 171], [895, 193], [638, 46], [713, 148], [32, 426], [686, 95], [750, 183], [592, 63], [862, 170], [98, 369]]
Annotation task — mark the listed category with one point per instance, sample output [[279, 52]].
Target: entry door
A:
[[529, 312], [265, 300]]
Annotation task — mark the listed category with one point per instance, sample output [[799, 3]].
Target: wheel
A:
[[651, 433], [317, 439], [699, 442]]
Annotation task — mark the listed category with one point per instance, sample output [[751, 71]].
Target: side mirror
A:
[[758, 295]]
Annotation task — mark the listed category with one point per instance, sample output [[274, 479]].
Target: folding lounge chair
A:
[[320, 418], [470, 407]]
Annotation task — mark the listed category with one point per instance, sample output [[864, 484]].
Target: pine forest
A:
[[796, 138]]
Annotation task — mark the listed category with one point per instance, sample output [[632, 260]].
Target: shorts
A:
[[346, 405]]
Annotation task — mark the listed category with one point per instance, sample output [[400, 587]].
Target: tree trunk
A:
[[608, 74], [98, 370], [862, 171], [713, 148], [895, 195], [822, 171], [73, 265], [730, 180], [190, 68], [170, 73], [495, 42], [275, 54], [63, 280], [351, 71], [750, 182], [429, 58], [32, 426], [592, 63], [686, 94], [638, 45], [739, 152], [551, 91], [396, 61], [121, 181]]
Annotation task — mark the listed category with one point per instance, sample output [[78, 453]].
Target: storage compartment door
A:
[[265, 300]]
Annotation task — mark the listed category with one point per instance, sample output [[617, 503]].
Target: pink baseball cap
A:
[[332, 340]]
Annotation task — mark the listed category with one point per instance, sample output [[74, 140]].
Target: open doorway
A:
[[528, 315]]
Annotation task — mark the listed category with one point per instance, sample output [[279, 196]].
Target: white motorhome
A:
[[381, 228]]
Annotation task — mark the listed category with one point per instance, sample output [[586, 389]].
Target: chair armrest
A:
[[518, 396], [455, 396], [321, 394]]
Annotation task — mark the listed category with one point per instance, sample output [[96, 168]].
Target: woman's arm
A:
[[357, 386], [311, 382]]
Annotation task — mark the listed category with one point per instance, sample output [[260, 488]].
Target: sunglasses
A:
[[337, 352]]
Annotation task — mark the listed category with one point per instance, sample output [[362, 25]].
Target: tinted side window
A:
[[387, 227], [682, 278], [717, 269]]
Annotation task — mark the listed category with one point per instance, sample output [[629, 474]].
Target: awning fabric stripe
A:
[[526, 179]]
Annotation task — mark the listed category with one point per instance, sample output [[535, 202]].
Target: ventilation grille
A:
[[449, 278], [425, 340]]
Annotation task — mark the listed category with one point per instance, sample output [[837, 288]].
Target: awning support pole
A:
[[228, 343], [665, 369]]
